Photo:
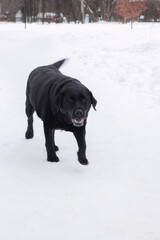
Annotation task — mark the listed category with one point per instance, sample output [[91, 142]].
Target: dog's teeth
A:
[[79, 121]]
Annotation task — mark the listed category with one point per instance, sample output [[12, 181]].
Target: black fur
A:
[[62, 103]]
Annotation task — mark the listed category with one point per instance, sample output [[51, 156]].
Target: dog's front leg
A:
[[80, 137], [50, 144]]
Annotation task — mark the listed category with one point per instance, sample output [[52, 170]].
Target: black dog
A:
[[62, 103]]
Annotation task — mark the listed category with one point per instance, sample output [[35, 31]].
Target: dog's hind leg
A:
[[29, 113]]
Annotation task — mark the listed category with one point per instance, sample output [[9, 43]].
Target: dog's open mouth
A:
[[78, 122]]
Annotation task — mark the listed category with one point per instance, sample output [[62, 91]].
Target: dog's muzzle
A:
[[78, 122], [78, 118]]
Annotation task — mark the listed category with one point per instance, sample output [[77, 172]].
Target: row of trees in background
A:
[[80, 10]]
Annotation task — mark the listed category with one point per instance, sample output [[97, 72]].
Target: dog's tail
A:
[[59, 63]]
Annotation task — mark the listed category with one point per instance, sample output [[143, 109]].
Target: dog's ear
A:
[[93, 101], [59, 99]]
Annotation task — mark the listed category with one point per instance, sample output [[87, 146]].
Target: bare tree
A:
[[108, 9], [153, 11], [9, 8], [32, 10], [68, 8], [100, 9]]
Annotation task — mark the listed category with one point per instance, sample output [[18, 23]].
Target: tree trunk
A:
[[82, 10]]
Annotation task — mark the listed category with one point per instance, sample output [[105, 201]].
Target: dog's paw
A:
[[83, 161], [53, 159], [29, 134], [56, 148]]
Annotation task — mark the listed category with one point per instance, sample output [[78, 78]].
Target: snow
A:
[[117, 195]]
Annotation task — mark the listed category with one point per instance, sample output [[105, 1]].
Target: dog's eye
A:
[[84, 100], [70, 100]]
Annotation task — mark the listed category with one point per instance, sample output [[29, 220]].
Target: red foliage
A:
[[130, 9]]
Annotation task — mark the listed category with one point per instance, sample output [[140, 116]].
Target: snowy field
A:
[[115, 197]]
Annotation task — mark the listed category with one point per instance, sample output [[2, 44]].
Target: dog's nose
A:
[[79, 113]]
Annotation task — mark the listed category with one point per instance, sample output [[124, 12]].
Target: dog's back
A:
[[40, 81]]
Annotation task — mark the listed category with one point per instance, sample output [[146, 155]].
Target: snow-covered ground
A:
[[115, 197]]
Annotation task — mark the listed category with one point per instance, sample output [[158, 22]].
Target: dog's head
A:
[[74, 102]]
